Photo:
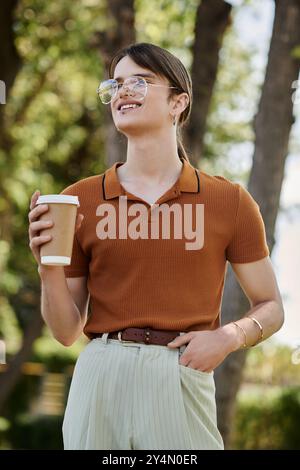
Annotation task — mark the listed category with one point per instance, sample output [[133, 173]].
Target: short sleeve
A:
[[248, 242], [79, 261]]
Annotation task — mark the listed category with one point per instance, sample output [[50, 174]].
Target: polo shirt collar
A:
[[188, 180]]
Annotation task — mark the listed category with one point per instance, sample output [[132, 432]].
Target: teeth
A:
[[126, 106]]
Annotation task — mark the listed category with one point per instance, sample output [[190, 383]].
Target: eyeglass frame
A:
[[121, 84]]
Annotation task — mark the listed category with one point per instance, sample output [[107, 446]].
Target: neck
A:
[[148, 160]]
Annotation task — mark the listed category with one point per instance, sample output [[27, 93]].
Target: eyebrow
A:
[[149, 75]]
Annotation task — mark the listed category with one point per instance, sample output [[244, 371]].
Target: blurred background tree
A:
[[54, 132]]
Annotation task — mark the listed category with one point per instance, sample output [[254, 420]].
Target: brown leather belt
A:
[[142, 335]]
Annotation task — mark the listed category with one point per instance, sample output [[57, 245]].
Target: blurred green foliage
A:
[[53, 126], [268, 406], [54, 356], [36, 432], [268, 422], [271, 363]]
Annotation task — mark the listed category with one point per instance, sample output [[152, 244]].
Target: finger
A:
[[34, 198], [184, 362], [36, 241], [39, 225], [180, 340], [79, 220], [37, 211]]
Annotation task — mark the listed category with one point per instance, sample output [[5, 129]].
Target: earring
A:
[[174, 120]]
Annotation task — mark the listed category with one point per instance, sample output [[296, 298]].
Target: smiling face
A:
[[155, 110]]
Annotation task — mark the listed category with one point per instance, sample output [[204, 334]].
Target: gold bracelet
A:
[[244, 333], [260, 328]]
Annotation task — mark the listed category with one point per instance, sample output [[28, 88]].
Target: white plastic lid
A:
[[58, 198], [56, 260]]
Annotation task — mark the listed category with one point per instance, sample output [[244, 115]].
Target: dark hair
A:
[[165, 64]]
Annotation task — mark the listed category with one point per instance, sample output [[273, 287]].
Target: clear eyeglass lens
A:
[[108, 89]]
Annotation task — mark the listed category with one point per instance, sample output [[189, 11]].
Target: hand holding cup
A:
[[42, 220]]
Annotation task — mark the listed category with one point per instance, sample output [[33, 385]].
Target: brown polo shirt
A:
[[143, 278]]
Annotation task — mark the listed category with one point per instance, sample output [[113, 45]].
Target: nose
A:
[[124, 90]]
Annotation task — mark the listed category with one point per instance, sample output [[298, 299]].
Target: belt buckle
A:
[[120, 338]]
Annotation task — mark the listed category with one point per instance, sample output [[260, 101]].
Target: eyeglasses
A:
[[136, 86]]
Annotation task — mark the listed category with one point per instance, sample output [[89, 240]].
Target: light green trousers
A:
[[138, 396]]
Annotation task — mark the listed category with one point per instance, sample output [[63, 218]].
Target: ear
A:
[[181, 102]]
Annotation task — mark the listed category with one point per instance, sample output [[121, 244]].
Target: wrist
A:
[[232, 337], [45, 270]]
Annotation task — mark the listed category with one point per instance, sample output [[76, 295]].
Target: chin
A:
[[130, 127]]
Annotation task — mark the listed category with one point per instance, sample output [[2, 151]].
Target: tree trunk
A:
[[212, 19], [272, 126], [120, 35]]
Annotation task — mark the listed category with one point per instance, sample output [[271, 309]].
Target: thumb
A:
[[79, 220], [180, 340]]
